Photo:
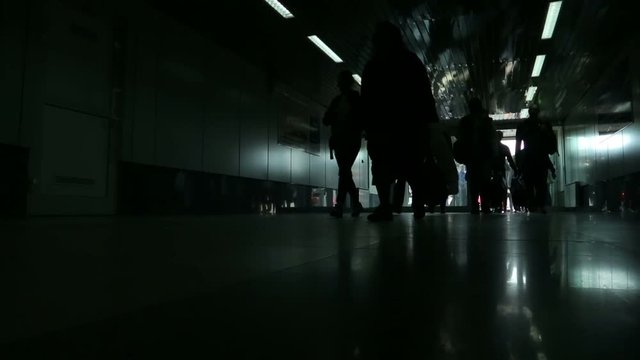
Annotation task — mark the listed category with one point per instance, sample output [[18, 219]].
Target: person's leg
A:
[[542, 189], [473, 191], [344, 177], [399, 189], [413, 168], [486, 194], [350, 186], [382, 172]]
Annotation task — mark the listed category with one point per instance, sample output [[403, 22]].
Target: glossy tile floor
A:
[[455, 286]]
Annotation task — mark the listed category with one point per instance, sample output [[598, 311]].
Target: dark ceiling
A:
[[481, 47]]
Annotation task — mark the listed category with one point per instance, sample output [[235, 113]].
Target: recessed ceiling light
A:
[[531, 93], [277, 6], [320, 44], [537, 67], [357, 78], [552, 18]]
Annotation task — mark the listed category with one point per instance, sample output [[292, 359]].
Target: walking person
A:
[[477, 148], [346, 133], [539, 141], [499, 175], [397, 106]]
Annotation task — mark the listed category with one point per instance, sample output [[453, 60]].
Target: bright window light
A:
[[531, 93], [552, 18], [357, 78], [319, 43], [280, 8], [505, 116], [524, 114], [537, 67]]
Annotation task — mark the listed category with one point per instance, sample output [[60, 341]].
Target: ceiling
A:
[[481, 47]]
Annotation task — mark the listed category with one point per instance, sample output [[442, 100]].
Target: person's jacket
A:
[[397, 100], [343, 116], [478, 138]]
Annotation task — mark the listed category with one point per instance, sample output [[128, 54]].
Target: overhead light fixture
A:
[[524, 113], [552, 18], [277, 6], [537, 67], [320, 44], [357, 78], [531, 93]]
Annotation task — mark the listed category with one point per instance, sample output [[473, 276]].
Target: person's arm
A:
[[356, 111], [518, 139], [551, 168], [510, 160]]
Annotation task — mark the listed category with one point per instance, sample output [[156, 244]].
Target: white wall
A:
[[189, 104], [198, 106]]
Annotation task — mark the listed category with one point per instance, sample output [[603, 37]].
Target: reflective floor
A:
[[455, 286]]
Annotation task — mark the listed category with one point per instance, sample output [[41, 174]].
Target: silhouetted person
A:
[[500, 173], [346, 132], [397, 105], [478, 138], [539, 141]]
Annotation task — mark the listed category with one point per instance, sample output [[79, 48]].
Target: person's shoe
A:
[[356, 210], [419, 213], [336, 212], [380, 215]]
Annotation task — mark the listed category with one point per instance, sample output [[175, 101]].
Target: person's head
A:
[[475, 105], [387, 39], [499, 135], [345, 81]]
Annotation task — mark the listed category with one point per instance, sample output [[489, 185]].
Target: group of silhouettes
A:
[[396, 112]]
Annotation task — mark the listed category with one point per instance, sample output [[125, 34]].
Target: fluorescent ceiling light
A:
[[319, 43], [531, 93], [280, 8], [357, 78], [552, 18], [537, 67], [524, 113]]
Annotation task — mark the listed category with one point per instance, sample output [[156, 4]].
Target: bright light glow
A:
[[531, 93], [524, 114], [513, 279], [537, 67], [552, 18], [320, 44], [277, 6], [357, 78], [604, 142], [505, 116]]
